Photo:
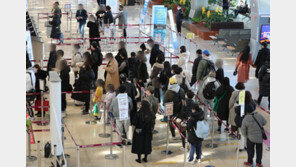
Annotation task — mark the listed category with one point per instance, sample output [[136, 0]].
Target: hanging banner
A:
[[123, 106], [173, 27], [144, 11], [159, 19]]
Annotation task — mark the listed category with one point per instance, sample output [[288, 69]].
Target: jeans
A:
[[81, 29], [195, 148], [251, 151]]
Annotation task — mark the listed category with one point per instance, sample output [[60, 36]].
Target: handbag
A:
[[262, 129]]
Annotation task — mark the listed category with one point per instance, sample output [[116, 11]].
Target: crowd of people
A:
[[166, 83]]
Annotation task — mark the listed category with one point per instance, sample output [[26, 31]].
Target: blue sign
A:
[[159, 18], [144, 11]]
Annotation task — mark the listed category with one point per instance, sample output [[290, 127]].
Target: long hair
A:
[[245, 54], [88, 62], [145, 112], [92, 19]]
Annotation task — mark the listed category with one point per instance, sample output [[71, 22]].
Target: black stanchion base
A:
[[169, 152], [91, 122], [210, 145], [31, 158], [111, 156], [104, 135]]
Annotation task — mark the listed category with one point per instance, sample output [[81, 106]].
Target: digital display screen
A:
[[265, 33]]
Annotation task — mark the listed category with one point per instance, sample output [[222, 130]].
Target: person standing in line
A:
[[223, 95], [40, 75], [122, 59], [60, 55], [203, 70], [153, 101], [154, 51], [174, 94], [226, 5], [132, 66], [263, 55], [179, 18], [233, 102], [155, 75], [195, 66], [97, 58], [56, 29], [252, 126], [99, 96], [219, 71], [142, 136], [76, 59], [243, 63], [183, 58], [108, 17], [84, 82], [100, 15], [264, 82], [121, 124], [93, 26], [182, 80], [111, 94], [56, 9], [111, 71], [122, 19], [52, 58], [81, 16], [195, 142], [141, 72], [66, 87]]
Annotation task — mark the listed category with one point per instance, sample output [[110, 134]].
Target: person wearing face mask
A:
[[154, 51], [179, 18], [111, 71], [76, 59]]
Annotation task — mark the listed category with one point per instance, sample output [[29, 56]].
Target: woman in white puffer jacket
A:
[[183, 58]]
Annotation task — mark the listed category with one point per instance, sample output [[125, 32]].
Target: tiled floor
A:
[[223, 156]]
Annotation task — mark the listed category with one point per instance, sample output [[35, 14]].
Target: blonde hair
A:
[[212, 74]]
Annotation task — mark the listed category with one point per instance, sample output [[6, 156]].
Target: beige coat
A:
[[232, 104], [112, 74]]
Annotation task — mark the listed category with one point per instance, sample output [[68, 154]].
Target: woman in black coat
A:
[[263, 55], [122, 59], [56, 30], [40, 75], [93, 26], [142, 136], [84, 83], [97, 58], [141, 72], [264, 82], [195, 142], [223, 95], [66, 87]]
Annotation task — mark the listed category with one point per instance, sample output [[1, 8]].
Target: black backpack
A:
[[47, 150], [209, 91], [210, 67], [177, 107], [183, 85]]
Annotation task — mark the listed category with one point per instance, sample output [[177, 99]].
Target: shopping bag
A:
[[95, 110], [130, 133]]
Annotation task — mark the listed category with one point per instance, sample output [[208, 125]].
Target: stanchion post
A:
[[54, 155], [78, 156], [167, 151], [111, 156], [91, 122], [185, 153], [123, 156], [30, 157], [104, 135], [237, 152], [38, 154]]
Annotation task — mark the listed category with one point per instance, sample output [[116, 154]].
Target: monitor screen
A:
[[265, 33]]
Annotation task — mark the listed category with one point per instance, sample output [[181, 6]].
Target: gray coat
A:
[[250, 128], [233, 102], [114, 107], [122, 18]]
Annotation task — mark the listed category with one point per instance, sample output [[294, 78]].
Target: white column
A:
[[55, 112]]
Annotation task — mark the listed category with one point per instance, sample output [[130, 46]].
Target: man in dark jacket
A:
[[108, 17], [179, 19], [52, 58], [195, 142], [154, 51], [264, 82], [81, 16], [263, 55], [195, 66]]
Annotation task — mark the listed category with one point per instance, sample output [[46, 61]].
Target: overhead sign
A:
[[144, 11], [173, 27], [159, 19], [123, 106], [169, 109]]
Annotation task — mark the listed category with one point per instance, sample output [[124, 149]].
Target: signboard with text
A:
[[123, 106], [159, 19], [169, 109]]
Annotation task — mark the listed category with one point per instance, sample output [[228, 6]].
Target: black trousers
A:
[[179, 25], [172, 129], [64, 102], [95, 69], [183, 140], [260, 98], [86, 105], [251, 151], [124, 33]]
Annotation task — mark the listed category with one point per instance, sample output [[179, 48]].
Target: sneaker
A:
[[198, 160], [190, 162], [226, 130], [84, 112], [260, 165], [248, 164]]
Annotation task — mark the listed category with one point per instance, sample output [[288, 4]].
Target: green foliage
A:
[[187, 5], [214, 2]]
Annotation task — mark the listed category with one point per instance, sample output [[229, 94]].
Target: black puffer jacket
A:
[[191, 125], [263, 55], [264, 79], [187, 110]]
